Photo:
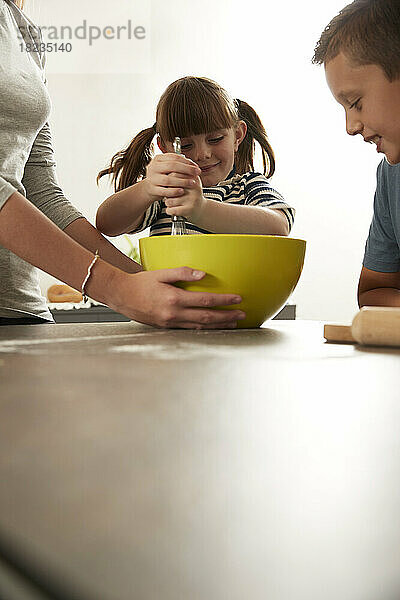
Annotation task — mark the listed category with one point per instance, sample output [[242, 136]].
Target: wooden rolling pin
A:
[[372, 326]]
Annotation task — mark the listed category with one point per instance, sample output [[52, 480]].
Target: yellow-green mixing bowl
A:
[[262, 269]]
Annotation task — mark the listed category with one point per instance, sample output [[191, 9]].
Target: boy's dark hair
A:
[[367, 32], [192, 106]]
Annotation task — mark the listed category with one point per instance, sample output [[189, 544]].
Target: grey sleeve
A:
[[6, 190], [41, 185], [381, 249]]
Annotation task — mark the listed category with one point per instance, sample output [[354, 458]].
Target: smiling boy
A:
[[360, 50]]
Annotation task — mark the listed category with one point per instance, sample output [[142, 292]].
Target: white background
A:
[[261, 52]]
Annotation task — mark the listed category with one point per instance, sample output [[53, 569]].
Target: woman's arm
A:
[[85, 234], [33, 237], [147, 297], [43, 190]]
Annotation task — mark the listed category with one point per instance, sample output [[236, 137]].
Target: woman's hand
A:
[[149, 297], [167, 176]]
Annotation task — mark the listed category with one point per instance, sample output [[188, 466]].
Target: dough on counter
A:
[[63, 293]]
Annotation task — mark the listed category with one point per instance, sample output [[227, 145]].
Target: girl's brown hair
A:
[[192, 106], [19, 3], [368, 32]]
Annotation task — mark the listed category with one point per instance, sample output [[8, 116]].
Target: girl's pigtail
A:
[[255, 133], [129, 165]]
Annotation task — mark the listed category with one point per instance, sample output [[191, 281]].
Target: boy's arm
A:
[[123, 212], [379, 283], [378, 289]]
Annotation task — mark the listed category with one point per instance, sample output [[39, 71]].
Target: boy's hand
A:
[[168, 175], [189, 205]]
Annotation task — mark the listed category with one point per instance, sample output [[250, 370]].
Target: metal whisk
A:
[[178, 226]]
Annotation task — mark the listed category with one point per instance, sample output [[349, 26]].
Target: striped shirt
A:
[[249, 189]]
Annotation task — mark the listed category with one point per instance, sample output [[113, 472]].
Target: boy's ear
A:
[[240, 133], [161, 144]]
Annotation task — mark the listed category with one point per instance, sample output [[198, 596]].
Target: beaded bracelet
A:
[[85, 298]]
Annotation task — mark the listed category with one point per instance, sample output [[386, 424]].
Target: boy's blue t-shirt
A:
[[382, 250]]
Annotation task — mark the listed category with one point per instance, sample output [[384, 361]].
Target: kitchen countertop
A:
[[94, 312], [138, 463]]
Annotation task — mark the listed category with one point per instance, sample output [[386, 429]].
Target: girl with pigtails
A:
[[212, 183]]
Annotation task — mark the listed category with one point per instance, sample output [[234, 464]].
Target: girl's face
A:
[[213, 152]]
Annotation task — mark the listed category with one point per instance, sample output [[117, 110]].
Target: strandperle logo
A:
[[91, 36], [92, 33]]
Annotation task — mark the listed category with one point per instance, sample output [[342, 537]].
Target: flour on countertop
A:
[[183, 351]]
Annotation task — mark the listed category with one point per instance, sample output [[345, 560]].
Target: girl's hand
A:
[[167, 176], [191, 204]]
